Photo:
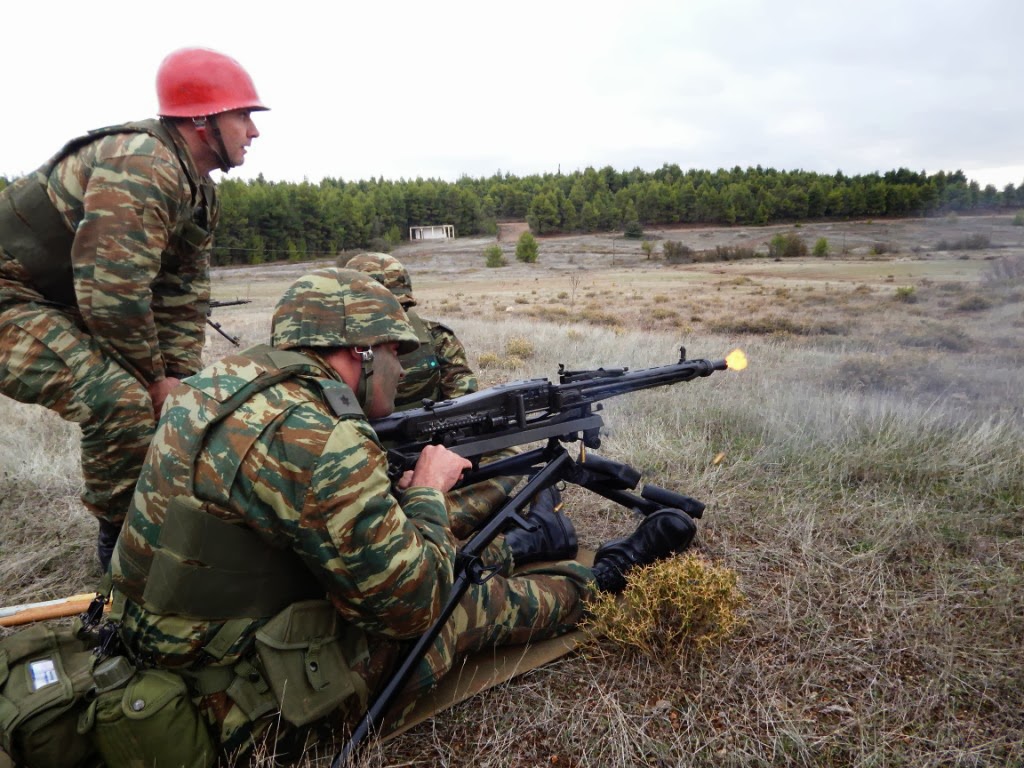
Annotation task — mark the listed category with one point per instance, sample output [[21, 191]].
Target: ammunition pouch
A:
[[62, 707], [149, 721], [303, 661], [45, 676]]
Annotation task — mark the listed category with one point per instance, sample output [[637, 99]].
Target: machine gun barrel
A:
[[521, 412]]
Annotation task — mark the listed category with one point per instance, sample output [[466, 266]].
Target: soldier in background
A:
[[104, 270], [439, 369], [266, 487]]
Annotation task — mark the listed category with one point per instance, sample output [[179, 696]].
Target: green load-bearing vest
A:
[[204, 566], [33, 231]]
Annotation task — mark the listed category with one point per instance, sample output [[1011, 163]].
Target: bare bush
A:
[[1004, 271]]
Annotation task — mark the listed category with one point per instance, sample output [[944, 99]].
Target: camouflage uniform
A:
[[280, 446], [104, 279], [439, 369]]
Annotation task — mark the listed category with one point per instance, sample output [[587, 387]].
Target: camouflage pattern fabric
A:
[[438, 370], [388, 271], [141, 303], [334, 307], [285, 466], [48, 360]]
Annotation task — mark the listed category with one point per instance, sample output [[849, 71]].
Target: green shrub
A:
[[906, 294], [676, 252], [526, 248], [821, 247], [786, 246], [494, 256], [1018, 220], [634, 230]]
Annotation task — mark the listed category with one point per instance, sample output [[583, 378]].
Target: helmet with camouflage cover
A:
[[388, 271], [335, 307]]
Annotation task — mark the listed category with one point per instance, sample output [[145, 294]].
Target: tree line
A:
[[273, 221]]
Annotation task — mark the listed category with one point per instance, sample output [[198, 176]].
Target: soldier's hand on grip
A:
[[439, 468]]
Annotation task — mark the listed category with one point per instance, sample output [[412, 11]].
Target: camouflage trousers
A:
[[47, 359], [535, 603]]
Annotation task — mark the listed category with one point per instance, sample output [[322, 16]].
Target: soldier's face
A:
[[237, 130], [387, 374]]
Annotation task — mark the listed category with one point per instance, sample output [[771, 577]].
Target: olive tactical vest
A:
[[33, 230], [202, 565]]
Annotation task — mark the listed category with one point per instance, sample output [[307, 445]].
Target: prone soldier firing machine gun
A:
[[517, 414]]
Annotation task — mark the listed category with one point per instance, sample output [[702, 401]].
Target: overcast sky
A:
[[444, 89]]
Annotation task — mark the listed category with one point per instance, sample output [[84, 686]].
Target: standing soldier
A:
[[104, 269], [438, 370], [268, 561]]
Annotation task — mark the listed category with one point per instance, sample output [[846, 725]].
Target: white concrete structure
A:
[[433, 232]]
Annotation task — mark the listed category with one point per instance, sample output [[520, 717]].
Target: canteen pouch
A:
[[44, 677], [150, 723], [304, 663]]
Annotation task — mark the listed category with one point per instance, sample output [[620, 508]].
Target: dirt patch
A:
[[510, 232]]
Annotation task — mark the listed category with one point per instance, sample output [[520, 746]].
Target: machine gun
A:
[[523, 412], [517, 414], [216, 326]]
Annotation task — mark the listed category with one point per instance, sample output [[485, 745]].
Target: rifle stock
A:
[[17, 615]]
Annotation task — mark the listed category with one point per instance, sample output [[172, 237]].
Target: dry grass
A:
[[870, 501]]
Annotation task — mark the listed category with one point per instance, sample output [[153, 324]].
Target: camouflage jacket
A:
[[297, 464], [438, 370], [141, 218]]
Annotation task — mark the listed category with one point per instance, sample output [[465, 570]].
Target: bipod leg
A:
[[614, 480]]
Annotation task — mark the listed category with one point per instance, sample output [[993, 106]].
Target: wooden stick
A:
[[16, 615]]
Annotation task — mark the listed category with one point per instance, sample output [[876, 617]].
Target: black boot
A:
[[659, 535], [105, 542], [553, 539]]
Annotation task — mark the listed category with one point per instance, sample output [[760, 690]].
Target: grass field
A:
[[864, 480]]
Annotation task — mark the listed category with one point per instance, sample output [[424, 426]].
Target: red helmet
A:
[[195, 82]]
